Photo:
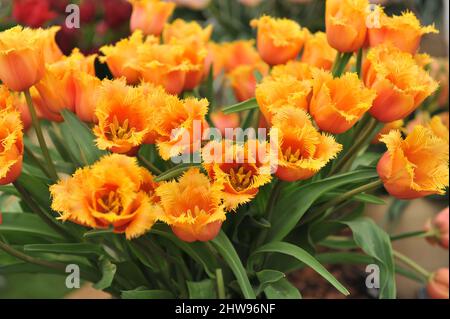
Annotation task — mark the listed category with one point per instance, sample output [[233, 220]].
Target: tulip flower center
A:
[[291, 157], [241, 178], [119, 130], [110, 203]]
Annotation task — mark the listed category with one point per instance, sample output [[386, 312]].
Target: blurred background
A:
[[106, 21]]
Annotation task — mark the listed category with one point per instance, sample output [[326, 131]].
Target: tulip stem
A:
[[341, 62], [342, 198], [40, 136], [413, 234], [149, 165], [33, 157], [412, 264], [356, 147], [359, 62], [220, 284]]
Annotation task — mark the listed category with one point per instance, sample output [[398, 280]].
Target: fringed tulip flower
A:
[[124, 118], [122, 58], [317, 52], [223, 121], [11, 145], [114, 191], [87, 92], [52, 52], [303, 151], [22, 61], [278, 40], [416, 166], [338, 103], [241, 169], [165, 65], [439, 128], [274, 93], [181, 126], [299, 70], [243, 80], [403, 31], [192, 206], [400, 83], [346, 24], [439, 226], [150, 16], [236, 53], [396, 125], [437, 287], [194, 39]]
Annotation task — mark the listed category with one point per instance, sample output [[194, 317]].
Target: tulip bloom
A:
[[52, 52], [124, 117], [150, 16], [11, 145], [439, 225], [318, 52], [338, 103], [400, 83], [346, 24], [439, 128], [278, 40], [181, 124], [122, 59], [243, 80], [87, 92], [299, 70], [165, 65], [114, 191], [396, 125], [303, 151], [22, 61], [223, 121], [274, 93], [236, 53], [416, 166], [240, 169], [437, 287], [192, 206], [404, 32]]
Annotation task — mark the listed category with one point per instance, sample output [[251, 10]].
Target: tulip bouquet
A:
[[202, 169]]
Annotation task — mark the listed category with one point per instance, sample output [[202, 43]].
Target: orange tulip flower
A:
[[338, 103], [243, 80], [52, 52], [124, 117], [115, 192], [236, 53], [274, 93], [16, 101], [223, 121], [299, 70], [303, 151], [87, 89], [400, 83], [396, 125], [150, 16], [416, 166], [181, 126], [404, 32], [278, 40], [346, 24], [439, 127], [439, 227], [437, 287], [22, 61], [194, 39], [11, 144], [241, 169], [318, 52], [192, 206], [122, 58], [165, 65]]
